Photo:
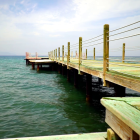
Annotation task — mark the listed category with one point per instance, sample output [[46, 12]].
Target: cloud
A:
[[32, 21], [54, 35], [36, 33]]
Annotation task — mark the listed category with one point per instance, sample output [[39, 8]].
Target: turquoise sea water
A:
[[43, 103]]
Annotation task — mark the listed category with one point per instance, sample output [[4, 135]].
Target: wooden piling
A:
[[94, 53], [68, 56], [123, 53], [56, 54], [62, 52], [33, 66], [27, 62], [76, 78], [68, 75], [80, 53], [105, 52], [59, 53], [88, 87], [37, 67], [119, 90]]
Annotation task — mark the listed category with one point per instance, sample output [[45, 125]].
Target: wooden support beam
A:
[[33, 66], [82, 73], [68, 56], [59, 53], [68, 75], [58, 68], [88, 87], [63, 70], [37, 67], [100, 81], [27, 62], [111, 135], [122, 129], [62, 52], [105, 52], [80, 53], [119, 90], [123, 53], [56, 54], [76, 78], [135, 136]]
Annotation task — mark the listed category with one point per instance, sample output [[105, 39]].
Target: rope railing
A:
[[77, 53], [123, 37], [93, 44], [124, 26], [124, 32], [93, 41], [93, 38]]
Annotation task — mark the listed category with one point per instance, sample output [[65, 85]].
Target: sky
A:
[[44, 25]]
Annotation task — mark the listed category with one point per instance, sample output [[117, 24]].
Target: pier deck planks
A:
[[84, 136], [122, 75], [123, 115]]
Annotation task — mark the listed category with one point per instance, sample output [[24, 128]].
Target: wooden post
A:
[[68, 56], [119, 90], [37, 67], [86, 53], [59, 53], [62, 52], [123, 53], [56, 54], [33, 66], [105, 52], [80, 53], [68, 75], [76, 78], [94, 53], [27, 62], [88, 87]]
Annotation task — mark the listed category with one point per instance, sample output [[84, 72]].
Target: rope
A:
[[93, 38], [123, 37], [123, 32], [93, 41], [93, 44], [124, 27]]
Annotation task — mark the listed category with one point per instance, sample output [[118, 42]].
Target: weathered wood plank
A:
[[111, 135], [123, 130], [133, 101], [85, 136], [126, 113]]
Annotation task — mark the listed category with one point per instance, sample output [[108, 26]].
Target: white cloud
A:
[[54, 35], [36, 33], [77, 18]]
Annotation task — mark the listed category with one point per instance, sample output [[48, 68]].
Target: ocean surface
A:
[[43, 103]]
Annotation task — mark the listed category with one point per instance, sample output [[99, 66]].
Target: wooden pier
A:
[[122, 114]]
